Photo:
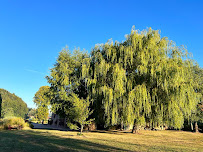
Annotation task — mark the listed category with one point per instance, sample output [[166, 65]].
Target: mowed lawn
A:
[[33, 140]]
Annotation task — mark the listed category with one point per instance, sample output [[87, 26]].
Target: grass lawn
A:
[[32, 140]]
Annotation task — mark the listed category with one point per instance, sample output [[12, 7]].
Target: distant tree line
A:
[[145, 80], [11, 105]]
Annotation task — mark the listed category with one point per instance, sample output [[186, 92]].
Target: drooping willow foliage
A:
[[145, 79]]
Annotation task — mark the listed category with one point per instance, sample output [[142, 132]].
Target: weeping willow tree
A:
[[197, 115], [145, 79]]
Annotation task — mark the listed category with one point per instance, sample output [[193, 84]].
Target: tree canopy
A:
[[145, 79], [11, 105], [42, 101], [197, 115]]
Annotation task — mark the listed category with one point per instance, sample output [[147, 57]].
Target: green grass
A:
[[52, 141]]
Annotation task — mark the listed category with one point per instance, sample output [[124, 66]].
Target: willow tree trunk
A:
[[122, 126], [196, 127], [135, 129], [191, 126]]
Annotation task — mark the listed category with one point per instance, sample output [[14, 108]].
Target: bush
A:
[[14, 122], [1, 124], [34, 120]]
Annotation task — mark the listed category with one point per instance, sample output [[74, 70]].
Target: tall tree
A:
[[143, 79], [41, 99], [42, 112], [41, 96], [66, 80], [197, 114]]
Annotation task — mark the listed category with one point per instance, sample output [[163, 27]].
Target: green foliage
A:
[[145, 76], [80, 108], [8, 112], [32, 113], [197, 114], [14, 122], [42, 113], [11, 105], [80, 111], [1, 124], [66, 82], [42, 101], [145, 79], [41, 96], [72, 126]]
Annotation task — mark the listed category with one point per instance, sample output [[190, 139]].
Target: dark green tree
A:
[[66, 80], [12, 105]]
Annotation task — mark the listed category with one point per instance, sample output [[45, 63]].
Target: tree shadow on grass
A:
[[31, 141], [115, 132]]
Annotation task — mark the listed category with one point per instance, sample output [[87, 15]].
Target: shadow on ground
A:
[[31, 141], [115, 132]]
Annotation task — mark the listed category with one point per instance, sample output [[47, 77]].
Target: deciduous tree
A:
[[145, 79], [41, 99]]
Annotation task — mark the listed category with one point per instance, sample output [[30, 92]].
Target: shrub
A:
[[1, 121], [1, 124], [14, 122]]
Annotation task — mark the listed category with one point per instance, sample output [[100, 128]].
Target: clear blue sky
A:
[[32, 32]]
